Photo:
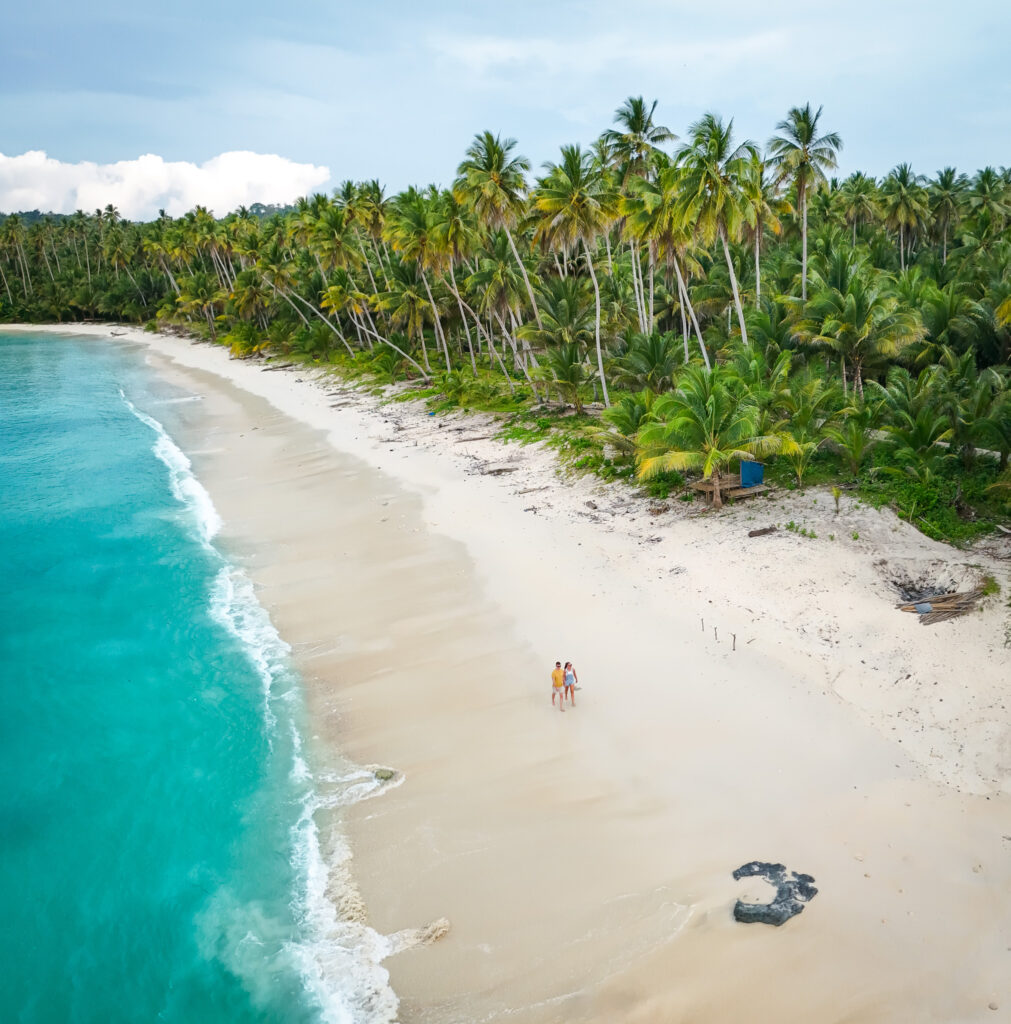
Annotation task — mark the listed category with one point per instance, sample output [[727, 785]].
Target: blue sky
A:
[[395, 90]]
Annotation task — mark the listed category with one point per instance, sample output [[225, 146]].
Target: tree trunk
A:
[[902, 248], [717, 496], [758, 268], [844, 391], [168, 274], [651, 264], [6, 285], [396, 348], [596, 299], [803, 244], [640, 310], [526, 280], [733, 285], [691, 312], [463, 317], [439, 335]]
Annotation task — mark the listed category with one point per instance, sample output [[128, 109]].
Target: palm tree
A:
[[946, 195], [859, 197], [864, 324], [653, 210], [576, 204], [492, 183], [412, 231], [804, 156], [636, 142], [764, 207], [703, 427], [905, 204], [711, 190], [988, 202], [568, 372], [650, 362]]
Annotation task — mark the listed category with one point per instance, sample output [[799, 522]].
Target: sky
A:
[[152, 105]]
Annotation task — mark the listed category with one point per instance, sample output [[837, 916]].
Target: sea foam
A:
[[337, 956], [186, 489]]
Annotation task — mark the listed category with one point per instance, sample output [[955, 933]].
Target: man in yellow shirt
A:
[[557, 686]]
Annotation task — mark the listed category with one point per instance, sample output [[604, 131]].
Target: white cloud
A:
[[139, 188]]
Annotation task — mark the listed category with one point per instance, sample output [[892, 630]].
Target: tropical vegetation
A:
[[658, 307]]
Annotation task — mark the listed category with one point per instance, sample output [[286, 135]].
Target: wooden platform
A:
[[730, 489]]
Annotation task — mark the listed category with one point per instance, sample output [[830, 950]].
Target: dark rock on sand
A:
[[791, 894]]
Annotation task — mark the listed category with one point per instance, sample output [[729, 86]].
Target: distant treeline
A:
[[30, 217]]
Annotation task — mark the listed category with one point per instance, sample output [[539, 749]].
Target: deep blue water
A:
[[158, 851]]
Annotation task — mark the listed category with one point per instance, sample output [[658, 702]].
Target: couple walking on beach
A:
[[563, 684]]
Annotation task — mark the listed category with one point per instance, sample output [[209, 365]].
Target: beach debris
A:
[[277, 366], [791, 894], [937, 607], [764, 531], [384, 774]]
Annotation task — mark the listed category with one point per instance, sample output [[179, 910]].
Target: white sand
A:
[[584, 859]]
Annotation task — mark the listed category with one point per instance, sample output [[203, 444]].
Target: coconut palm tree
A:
[[763, 209], [575, 204], [711, 195], [803, 156], [946, 197], [859, 199], [703, 427], [653, 211], [635, 144], [865, 325], [904, 201], [491, 181], [412, 231]]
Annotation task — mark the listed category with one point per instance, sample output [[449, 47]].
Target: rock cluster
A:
[[791, 894]]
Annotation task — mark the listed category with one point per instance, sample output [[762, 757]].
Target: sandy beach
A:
[[741, 699]]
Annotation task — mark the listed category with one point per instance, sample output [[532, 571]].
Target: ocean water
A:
[[160, 858]]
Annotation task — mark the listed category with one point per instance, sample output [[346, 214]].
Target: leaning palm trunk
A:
[[6, 285], [287, 298], [396, 348], [463, 317], [683, 289], [325, 320], [596, 299], [492, 351], [733, 285], [526, 280], [439, 335], [517, 360]]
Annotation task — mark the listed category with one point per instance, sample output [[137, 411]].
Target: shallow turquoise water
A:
[[158, 853]]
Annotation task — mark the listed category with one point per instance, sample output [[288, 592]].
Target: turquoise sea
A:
[[159, 854]]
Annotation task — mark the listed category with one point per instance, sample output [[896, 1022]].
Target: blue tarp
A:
[[752, 473]]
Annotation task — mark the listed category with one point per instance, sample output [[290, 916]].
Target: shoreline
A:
[[839, 737]]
